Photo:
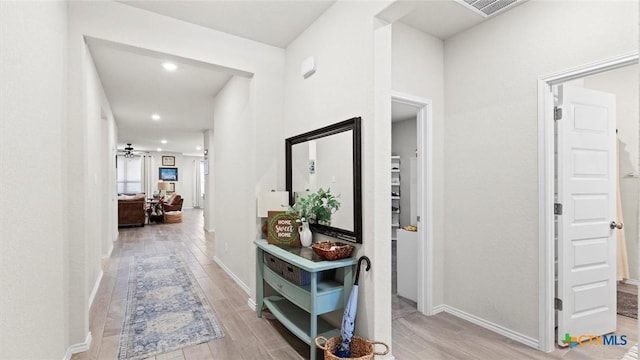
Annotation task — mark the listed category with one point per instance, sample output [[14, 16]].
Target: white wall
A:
[[491, 140], [624, 83], [98, 233], [86, 175], [185, 185], [33, 246], [190, 165], [233, 121], [108, 147], [417, 61], [404, 144], [342, 42], [113, 186], [209, 182]]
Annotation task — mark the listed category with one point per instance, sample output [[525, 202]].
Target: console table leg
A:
[[313, 332], [259, 281]]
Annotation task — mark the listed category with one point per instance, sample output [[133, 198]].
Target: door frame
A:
[[546, 171], [425, 196]]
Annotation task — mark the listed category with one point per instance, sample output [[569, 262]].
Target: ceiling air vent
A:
[[488, 8]]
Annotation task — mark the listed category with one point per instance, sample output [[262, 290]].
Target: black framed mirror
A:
[[329, 157]]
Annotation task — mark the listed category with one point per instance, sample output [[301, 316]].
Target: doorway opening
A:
[[578, 257], [411, 205]]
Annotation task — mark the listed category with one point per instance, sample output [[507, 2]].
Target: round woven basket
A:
[[361, 349], [173, 217]]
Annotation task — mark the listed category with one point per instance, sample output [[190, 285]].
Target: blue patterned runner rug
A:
[[166, 309]]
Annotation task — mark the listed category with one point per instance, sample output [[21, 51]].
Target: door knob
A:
[[615, 225]]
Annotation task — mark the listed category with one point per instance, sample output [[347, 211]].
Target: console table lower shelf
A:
[[298, 307], [297, 320]]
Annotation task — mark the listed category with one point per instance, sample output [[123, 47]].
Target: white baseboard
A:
[[252, 304], [78, 348], [108, 255], [94, 291], [242, 285], [526, 340], [438, 309], [208, 230], [632, 282]]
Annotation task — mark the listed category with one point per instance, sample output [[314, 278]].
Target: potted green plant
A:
[[317, 207]]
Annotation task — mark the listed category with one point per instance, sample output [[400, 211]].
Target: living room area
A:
[[156, 136], [151, 194]]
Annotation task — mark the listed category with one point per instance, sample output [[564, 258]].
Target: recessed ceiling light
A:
[[169, 66], [198, 148], [163, 141], [159, 149], [155, 117]]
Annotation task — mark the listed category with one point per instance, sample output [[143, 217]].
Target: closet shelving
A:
[[395, 196]]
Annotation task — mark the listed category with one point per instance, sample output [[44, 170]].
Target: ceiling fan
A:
[[129, 152]]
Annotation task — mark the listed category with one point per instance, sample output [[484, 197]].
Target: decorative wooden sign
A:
[[282, 229]]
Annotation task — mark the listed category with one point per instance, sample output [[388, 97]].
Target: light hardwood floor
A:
[[248, 337], [445, 336]]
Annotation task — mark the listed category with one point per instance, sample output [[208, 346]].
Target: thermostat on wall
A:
[[308, 67]]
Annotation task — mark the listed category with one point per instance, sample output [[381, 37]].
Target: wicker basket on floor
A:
[[173, 217], [361, 349]]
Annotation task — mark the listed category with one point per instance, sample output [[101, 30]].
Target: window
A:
[[129, 175]]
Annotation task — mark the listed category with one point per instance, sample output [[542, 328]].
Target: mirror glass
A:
[[326, 163], [329, 158]]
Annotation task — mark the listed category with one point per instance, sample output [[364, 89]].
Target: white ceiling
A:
[[275, 23], [400, 111], [137, 86], [428, 17], [440, 18]]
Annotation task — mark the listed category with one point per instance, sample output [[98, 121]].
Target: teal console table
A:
[[297, 306]]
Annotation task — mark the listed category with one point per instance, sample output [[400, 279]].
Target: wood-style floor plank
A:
[[248, 337]]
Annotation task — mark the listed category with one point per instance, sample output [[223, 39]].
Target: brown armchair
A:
[[131, 210], [174, 203]]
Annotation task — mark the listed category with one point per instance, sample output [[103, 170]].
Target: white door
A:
[[586, 248]]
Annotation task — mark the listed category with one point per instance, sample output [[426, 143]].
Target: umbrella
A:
[[349, 316]]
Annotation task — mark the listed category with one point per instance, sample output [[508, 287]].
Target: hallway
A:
[[247, 337], [415, 336]]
